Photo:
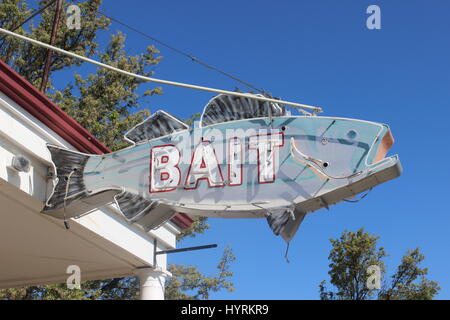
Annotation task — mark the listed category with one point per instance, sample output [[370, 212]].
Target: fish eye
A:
[[325, 164], [351, 134], [283, 128]]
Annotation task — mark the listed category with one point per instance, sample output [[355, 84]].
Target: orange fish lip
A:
[[386, 143]]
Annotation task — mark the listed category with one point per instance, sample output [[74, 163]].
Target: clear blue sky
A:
[[318, 52]]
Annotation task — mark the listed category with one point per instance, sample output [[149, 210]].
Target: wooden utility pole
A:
[[48, 60]]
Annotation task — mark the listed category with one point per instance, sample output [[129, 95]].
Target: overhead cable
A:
[[187, 55], [160, 81]]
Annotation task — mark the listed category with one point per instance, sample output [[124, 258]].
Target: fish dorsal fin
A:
[[224, 108], [157, 125]]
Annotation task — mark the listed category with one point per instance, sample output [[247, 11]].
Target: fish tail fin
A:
[[69, 183]]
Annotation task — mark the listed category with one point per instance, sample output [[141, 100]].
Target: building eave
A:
[[42, 108]]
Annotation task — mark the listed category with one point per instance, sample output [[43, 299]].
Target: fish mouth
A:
[[379, 150], [380, 160], [383, 147]]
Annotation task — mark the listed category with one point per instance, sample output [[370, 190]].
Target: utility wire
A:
[[357, 200], [166, 82], [187, 55], [266, 95]]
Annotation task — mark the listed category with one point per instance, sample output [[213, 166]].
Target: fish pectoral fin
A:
[[296, 151], [156, 217], [277, 218], [133, 206], [285, 221], [291, 227], [157, 125]]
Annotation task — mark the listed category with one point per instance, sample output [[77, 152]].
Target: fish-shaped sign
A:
[[245, 159]]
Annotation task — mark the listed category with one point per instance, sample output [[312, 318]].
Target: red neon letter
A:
[[235, 162], [204, 166], [265, 145], [164, 172]]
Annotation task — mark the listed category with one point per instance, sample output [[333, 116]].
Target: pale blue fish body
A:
[[317, 161]]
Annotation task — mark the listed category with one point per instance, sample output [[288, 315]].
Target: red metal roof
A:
[[42, 108]]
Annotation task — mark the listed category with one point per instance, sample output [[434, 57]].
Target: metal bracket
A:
[[50, 174], [155, 243]]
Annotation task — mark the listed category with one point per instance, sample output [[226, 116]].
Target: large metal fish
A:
[[245, 159]]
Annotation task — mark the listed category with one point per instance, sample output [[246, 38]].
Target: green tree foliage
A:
[[106, 104], [350, 257], [50, 292], [109, 289], [199, 226], [409, 281], [188, 283], [28, 59]]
